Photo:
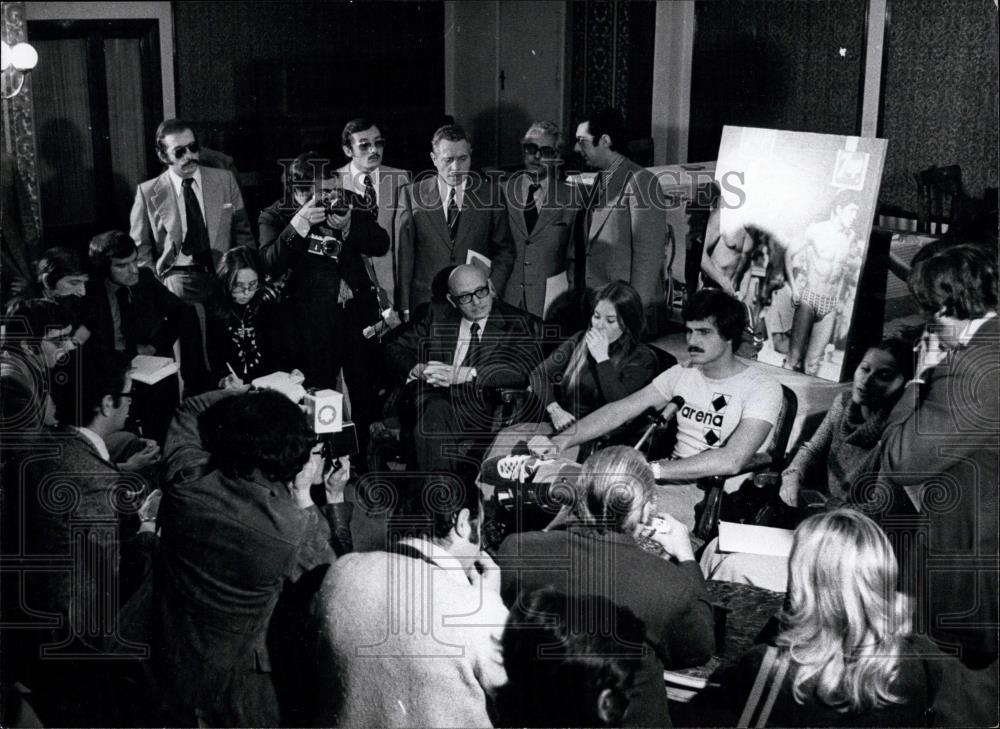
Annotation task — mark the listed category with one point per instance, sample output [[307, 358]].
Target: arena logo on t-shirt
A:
[[712, 418]]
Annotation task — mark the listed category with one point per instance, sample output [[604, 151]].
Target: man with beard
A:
[[184, 220], [728, 410]]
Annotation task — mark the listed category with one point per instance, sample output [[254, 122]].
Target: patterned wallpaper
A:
[[19, 126], [940, 94], [600, 55]]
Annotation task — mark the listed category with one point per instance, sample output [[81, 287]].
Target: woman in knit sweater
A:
[[844, 442], [853, 425]]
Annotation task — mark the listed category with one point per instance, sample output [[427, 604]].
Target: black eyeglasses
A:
[[481, 293], [365, 146], [119, 395], [193, 148], [530, 148]]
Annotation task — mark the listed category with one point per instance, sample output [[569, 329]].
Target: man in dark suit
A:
[[451, 355], [380, 186], [446, 216], [81, 545], [626, 228], [184, 220], [541, 211], [128, 310]]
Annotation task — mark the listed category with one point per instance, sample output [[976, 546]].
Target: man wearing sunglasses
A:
[[379, 186], [187, 217], [471, 342], [541, 211]]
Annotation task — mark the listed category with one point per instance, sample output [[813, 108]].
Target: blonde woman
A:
[[845, 653], [596, 553]]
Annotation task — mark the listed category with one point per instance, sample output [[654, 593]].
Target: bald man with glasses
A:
[[184, 219], [450, 358]]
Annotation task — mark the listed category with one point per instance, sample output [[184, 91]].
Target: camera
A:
[[324, 408], [325, 245], [334, 201]]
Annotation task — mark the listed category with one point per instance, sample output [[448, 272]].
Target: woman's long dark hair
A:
[[628, 308]]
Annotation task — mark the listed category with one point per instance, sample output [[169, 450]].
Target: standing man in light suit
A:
[[446, 216], [184, 220], [541, 211], [627, 226], [379, 185]]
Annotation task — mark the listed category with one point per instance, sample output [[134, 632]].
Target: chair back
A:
[[783, 428], [940, 195]]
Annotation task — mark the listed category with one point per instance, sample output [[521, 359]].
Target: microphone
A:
[[662, 418]]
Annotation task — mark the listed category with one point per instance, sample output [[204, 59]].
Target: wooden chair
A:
[[942, 199]]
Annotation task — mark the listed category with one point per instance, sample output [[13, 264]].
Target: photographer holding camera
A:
[[331, 299]]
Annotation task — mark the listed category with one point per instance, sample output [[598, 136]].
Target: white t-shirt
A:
[[713, 408]]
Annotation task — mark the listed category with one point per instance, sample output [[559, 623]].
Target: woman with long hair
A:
[[604, 363], [845, 653], [244, 330]]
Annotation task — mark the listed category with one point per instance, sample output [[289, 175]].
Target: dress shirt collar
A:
[[95, 440], [972, 327], [441, 557], [444, 189], [357, 178], [465, 328], [178, 182]]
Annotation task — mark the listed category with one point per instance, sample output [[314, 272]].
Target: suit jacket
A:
[[156, 223], [425, 245], [628, 234], [544, 251], [669, 598], [943, 435], [390, 184], [159, 315], [510, 345]]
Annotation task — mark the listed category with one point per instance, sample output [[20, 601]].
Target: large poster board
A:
[[790, 235]]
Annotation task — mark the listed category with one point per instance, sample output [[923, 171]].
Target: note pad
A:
[[750, 539]]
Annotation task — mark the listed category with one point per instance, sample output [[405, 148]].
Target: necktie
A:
[[127, 316], [370, 200], [531, 208], [475, 345], [453, 213], [196, 239]]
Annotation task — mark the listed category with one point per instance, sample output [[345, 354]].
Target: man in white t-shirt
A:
[[728, 413]]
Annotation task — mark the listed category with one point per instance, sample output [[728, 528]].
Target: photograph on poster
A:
[[789, 237]]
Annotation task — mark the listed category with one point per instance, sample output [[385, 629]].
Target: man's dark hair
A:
[[353, 127], [171, 126], [58, 263], [561, 653], [257, 430], [428, 505], [98, 372], [309, 167], [30, 319], [715, 305], [451, 132], [607, 121], [959, 281], [105, 246]]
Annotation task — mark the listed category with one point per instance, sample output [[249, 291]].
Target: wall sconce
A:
[[16, 64]]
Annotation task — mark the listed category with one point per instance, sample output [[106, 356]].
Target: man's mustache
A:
[[692, 350]]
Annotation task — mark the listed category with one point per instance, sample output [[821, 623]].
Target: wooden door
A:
[[97, 99]]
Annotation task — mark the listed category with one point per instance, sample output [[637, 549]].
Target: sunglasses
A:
[[179, 152], [366, 146], [481, 293], [246, 288], [530, 148]]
